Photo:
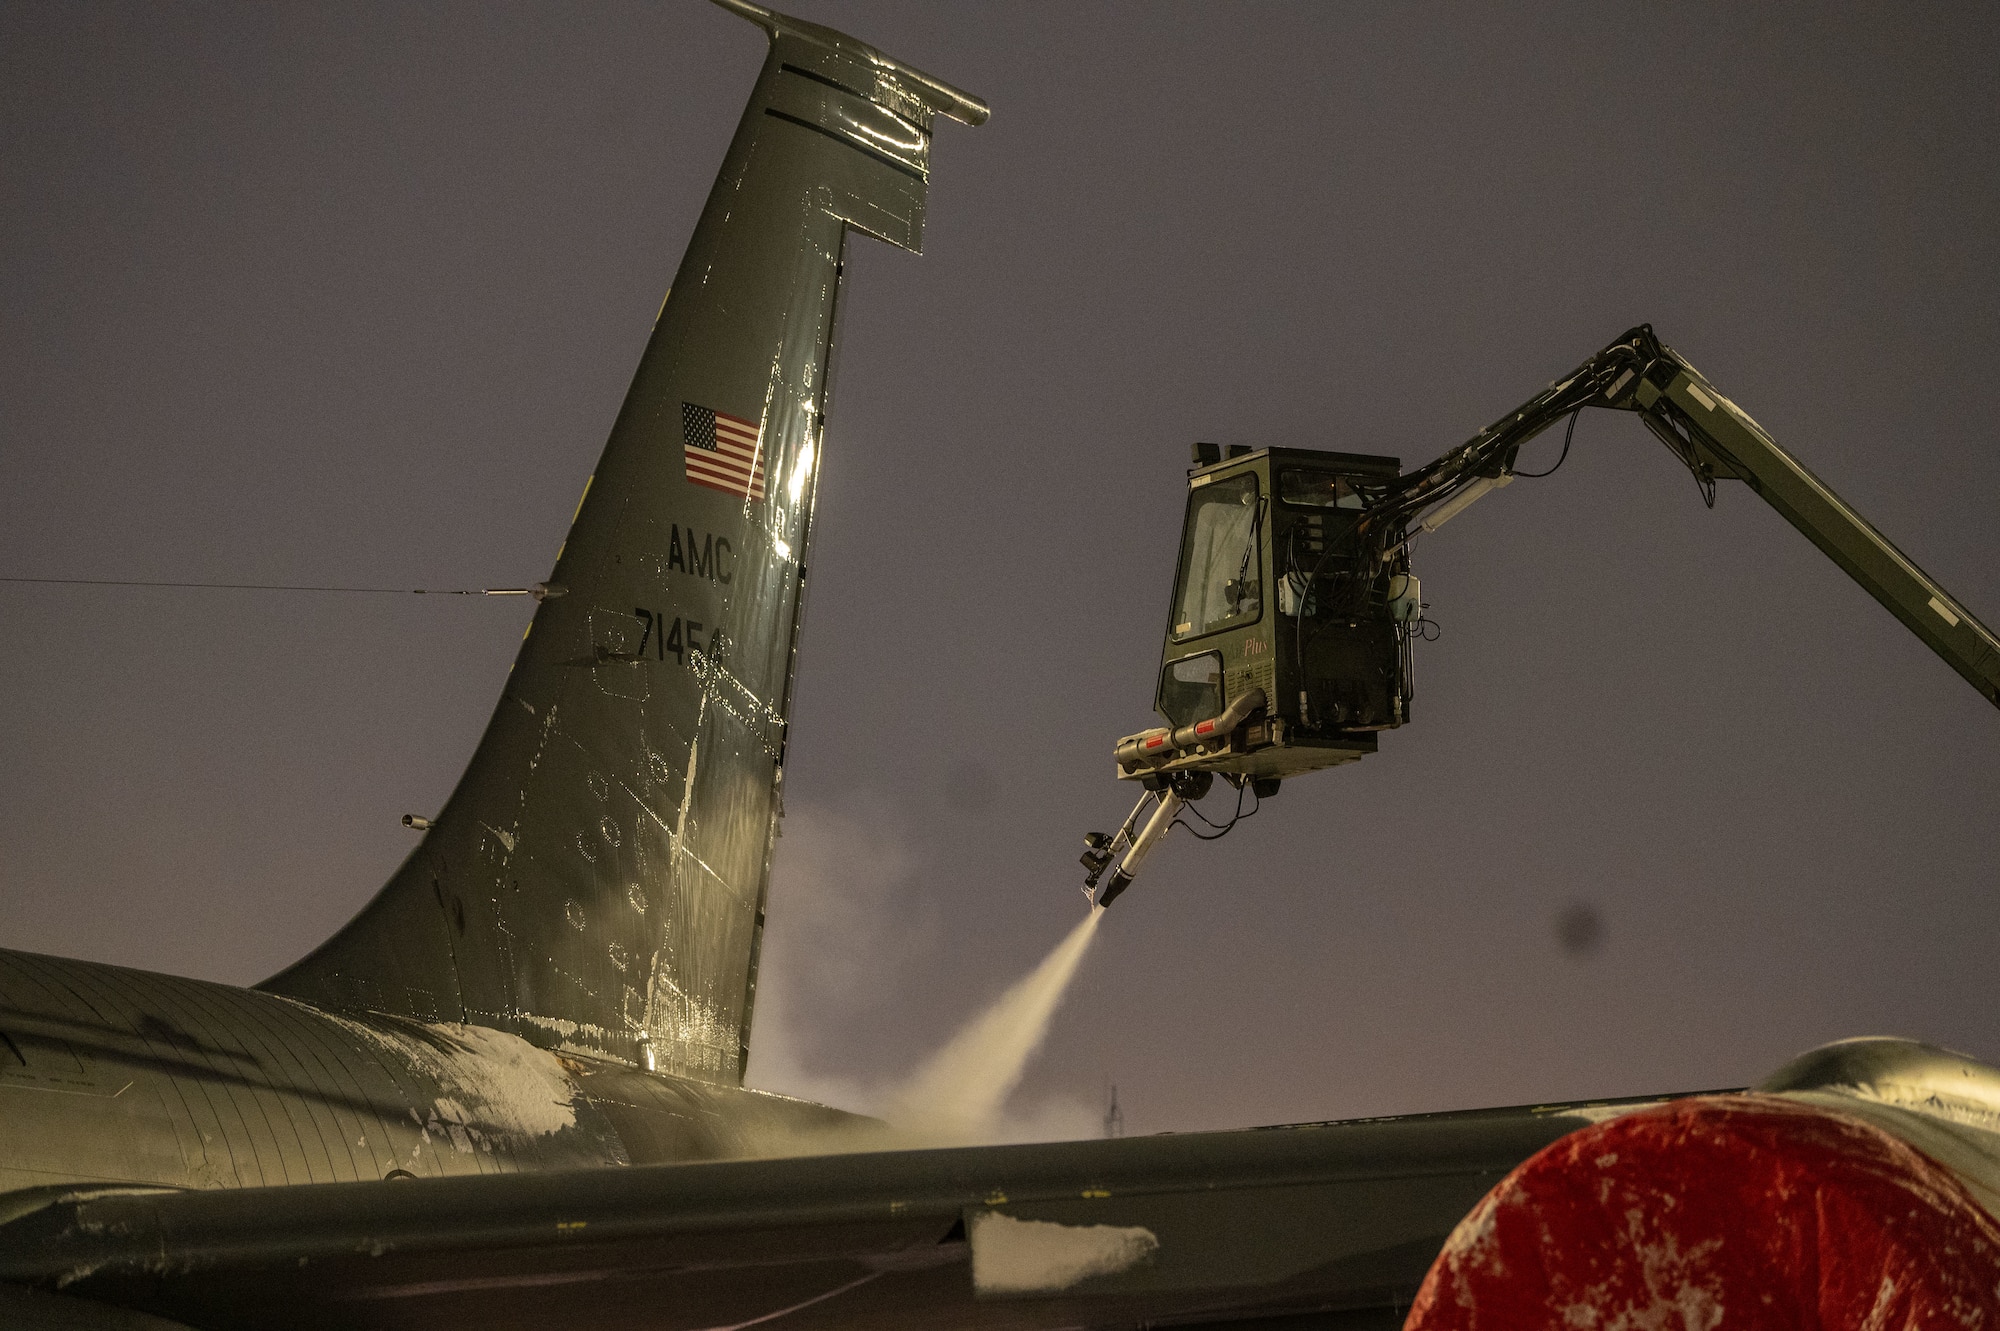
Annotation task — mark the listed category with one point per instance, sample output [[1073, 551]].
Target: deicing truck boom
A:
[[1256, 687]]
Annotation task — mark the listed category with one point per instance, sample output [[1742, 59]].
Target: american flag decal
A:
[[724, 452]]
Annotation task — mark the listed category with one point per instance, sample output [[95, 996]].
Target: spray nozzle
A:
[[1096, 856]]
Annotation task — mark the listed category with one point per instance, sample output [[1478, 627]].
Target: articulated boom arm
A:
[[1717, 440], [1299, 682]]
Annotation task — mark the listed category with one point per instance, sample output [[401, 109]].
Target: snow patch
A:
[[1012, 1256], [487, 1081], [1472, 1240]]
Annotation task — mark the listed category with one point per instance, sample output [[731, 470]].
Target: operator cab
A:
[[1276, 591]]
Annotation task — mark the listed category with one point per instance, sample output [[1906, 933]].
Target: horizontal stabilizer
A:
[[895, 84]]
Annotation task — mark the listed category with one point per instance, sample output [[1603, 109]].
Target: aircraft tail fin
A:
[[596, 881]]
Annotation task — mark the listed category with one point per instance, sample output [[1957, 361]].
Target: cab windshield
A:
[[1220, 578]]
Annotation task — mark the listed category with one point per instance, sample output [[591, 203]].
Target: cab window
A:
[[1220, 575], [1191, 688]]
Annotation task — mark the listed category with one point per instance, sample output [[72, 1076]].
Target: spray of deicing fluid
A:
[[959, 1094]]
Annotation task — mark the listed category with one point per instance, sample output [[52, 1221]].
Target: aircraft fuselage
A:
[[123, 1077]]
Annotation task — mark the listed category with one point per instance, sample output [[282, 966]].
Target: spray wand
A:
[[1100, 849]]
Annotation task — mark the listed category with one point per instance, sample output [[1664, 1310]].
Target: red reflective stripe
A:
[[1156, 743], [1204, 727]]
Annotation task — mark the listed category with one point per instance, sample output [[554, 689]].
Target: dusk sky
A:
[[349, 294]]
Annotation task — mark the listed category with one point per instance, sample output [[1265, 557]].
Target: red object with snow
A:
[[1747, 1211]]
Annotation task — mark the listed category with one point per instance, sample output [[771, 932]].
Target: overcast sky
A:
[[350, 293]]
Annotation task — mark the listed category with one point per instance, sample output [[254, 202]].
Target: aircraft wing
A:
[[1185, 1229]]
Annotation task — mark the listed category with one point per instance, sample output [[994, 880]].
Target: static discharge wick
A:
[[959, 1094]]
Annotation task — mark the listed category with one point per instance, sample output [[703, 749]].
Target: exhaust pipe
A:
[[1154, 746]]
